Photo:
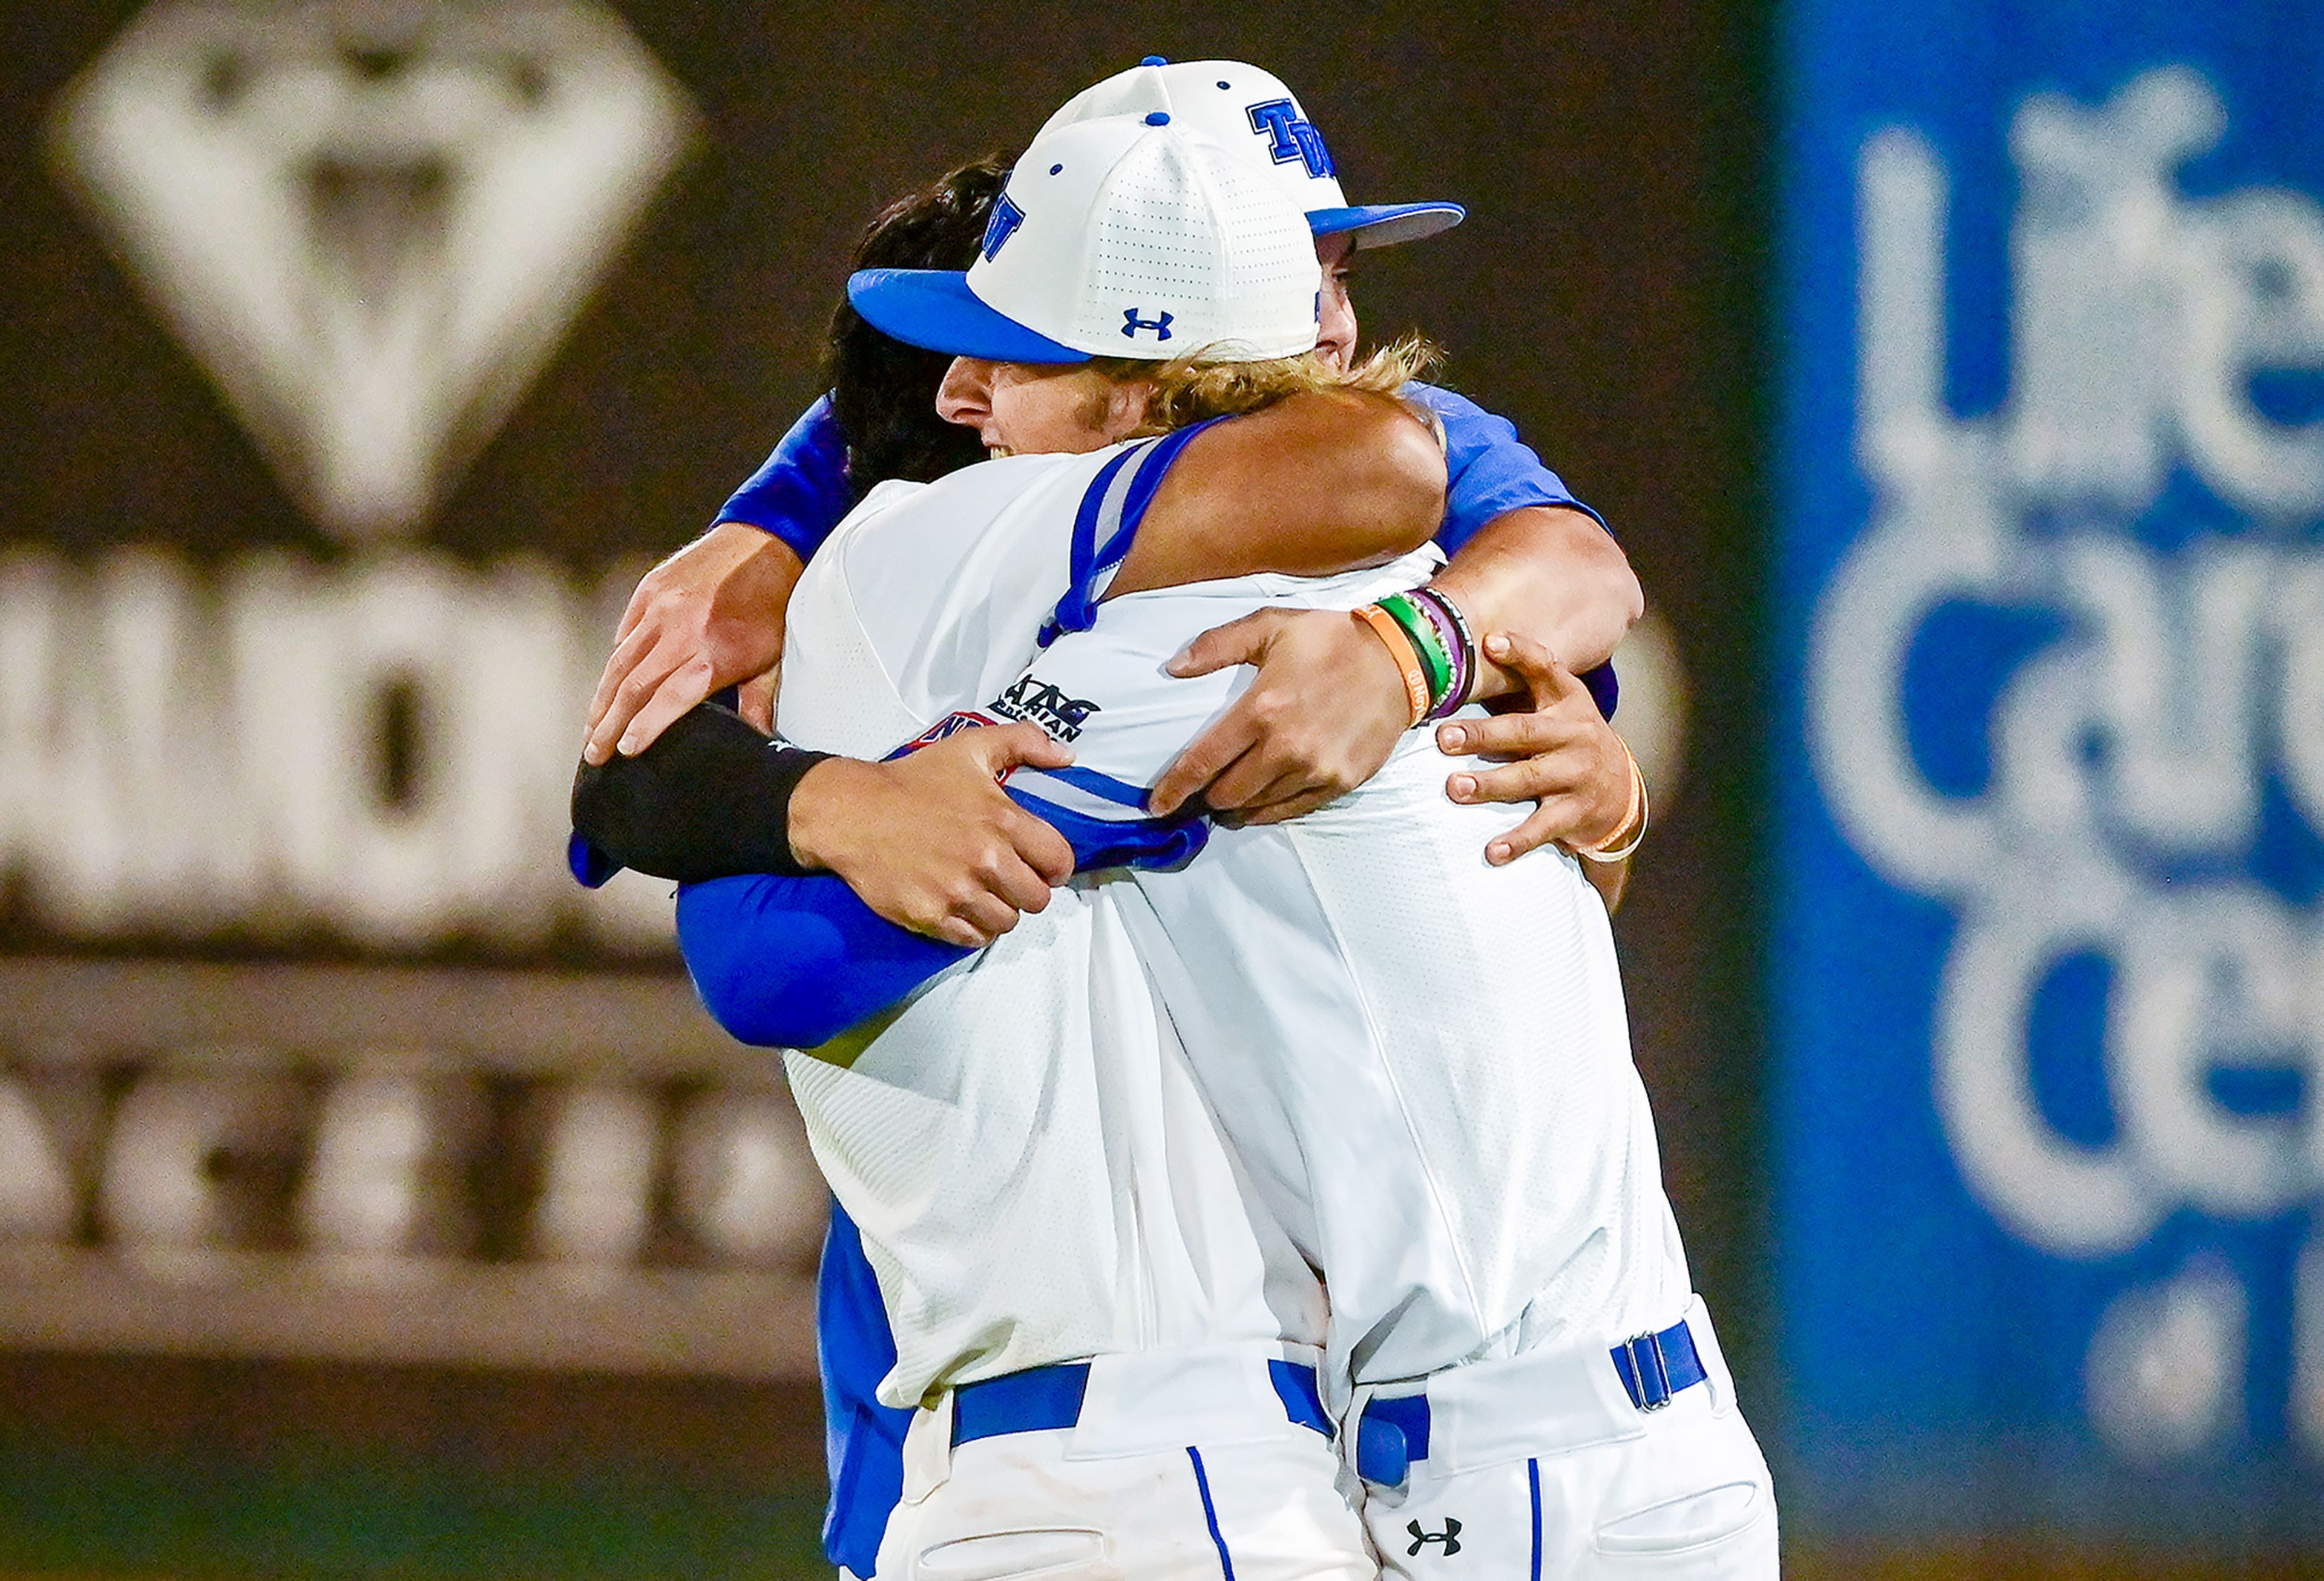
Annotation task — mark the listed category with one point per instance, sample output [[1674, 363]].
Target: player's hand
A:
[[930, 841], [709, 616], [1561, 755], [1325, 710], [754, 700]]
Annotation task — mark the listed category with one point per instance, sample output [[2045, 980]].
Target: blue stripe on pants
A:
[[1533, 1477], [1211, 1513]]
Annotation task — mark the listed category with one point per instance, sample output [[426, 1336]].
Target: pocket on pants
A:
[[1695, 1520], [1067, 1553]]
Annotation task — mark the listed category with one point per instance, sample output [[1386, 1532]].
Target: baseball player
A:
[[1114, 1353], [1526, 1378]]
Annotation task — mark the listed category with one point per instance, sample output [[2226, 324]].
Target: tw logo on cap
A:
[[1006, 217], [1291, 136]]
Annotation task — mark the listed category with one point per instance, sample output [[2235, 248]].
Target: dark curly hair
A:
[[883, 391]]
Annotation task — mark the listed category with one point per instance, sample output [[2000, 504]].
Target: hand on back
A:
[[709, 617], [1559, 753], [1322, 715]]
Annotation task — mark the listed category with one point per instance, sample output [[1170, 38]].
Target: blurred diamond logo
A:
[[370, 221]]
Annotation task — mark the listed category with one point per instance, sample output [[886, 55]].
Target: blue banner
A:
[[2048, 964]]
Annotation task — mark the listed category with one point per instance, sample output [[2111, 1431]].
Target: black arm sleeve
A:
[[709, 799]]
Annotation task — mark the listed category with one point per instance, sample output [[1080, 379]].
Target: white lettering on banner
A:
[[384, 749], [433, 1203], [390, 1150], [36, 1189], [2162, 1373], [602, 1158], [379, 1164], [2129, 756]]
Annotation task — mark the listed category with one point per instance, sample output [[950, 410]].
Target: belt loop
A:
[[1383, 1453], [1654, 1372], [1390, 1435], [1352, 1424], [928, 1449]]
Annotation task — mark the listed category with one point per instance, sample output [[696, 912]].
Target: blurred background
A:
[[373, 1200]]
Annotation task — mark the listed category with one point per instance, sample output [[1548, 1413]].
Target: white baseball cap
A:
[[1124, 236], [1251, 111]]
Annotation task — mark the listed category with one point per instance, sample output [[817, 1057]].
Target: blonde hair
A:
[[1189, 389]]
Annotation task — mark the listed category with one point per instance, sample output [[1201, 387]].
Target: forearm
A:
[[1609, 879], [709, 798], [750, 609], [1549, 572], [1313, 485], [708, 617]]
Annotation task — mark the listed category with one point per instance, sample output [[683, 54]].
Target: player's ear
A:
[[1126, 403]]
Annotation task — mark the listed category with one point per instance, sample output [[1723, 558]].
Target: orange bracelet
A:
[[1408, 660], [1616, 847]]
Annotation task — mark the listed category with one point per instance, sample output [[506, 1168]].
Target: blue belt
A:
[[1040, 1397], [1652, 1367]]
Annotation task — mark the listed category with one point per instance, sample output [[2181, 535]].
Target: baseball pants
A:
[[1174, 1465], [1544, 1468]]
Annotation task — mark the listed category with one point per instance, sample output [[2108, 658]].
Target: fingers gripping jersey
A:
[[1423, 1061]]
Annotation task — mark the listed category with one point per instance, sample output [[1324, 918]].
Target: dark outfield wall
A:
[[1601, 294]]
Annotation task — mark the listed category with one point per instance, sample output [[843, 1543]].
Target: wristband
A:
[[1405, 652], [1454, 627], [1427, 641], [1638, 812]]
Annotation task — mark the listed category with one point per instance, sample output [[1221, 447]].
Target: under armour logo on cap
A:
[[1133, 324], [1450, 1537]]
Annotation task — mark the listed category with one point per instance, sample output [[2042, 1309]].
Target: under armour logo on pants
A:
[[1450, 1537]]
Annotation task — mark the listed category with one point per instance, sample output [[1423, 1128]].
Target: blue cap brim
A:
[[933, 309], [1383, 225]]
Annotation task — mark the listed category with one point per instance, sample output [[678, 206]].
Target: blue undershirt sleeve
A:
[[801, 490], [785, 962], [1490, 471], [792, 962]]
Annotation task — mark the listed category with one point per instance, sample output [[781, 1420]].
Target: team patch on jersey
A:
[[951, 724], [1040, 703]]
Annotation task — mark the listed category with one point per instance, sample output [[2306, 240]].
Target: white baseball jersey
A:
[[1423, 1061], [1037, 1176]]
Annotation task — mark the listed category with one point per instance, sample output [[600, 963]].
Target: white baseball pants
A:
[[1540, 1468], [1181, 1465]]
